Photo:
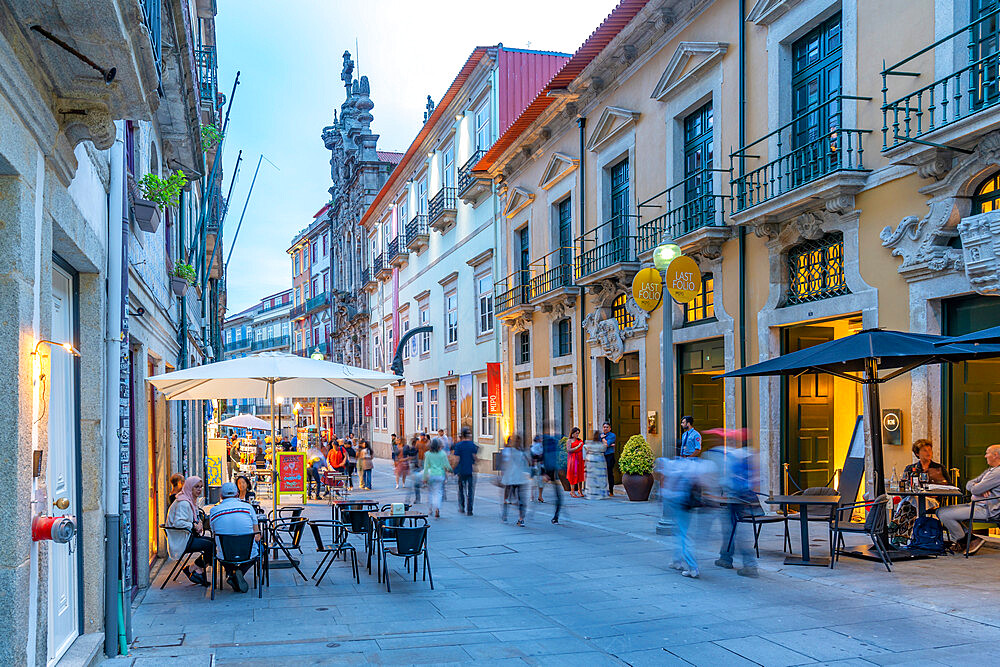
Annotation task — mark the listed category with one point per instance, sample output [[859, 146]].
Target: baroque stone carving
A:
[[606, 334], [518, 323], [640, 316], [809, 225], [768, 230], [981, 251], [84, 119]]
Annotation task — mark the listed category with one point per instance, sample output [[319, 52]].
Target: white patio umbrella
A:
[[266, 375], [246, 421]]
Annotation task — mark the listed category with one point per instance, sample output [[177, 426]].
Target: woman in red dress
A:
[[574, 463]]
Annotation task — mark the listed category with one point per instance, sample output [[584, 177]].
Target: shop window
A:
[[816, 270], [702, 308], [625, 319]]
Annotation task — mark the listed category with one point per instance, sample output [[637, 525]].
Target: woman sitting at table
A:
[[925, 463], [184, 530], [901, 526], [246, 493]]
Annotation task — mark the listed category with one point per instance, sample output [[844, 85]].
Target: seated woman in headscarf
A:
[[184, 530]]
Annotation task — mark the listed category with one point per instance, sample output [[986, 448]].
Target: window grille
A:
[[618, 310], [703, 306], [816, 270]]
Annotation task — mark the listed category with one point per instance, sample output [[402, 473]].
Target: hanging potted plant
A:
[[636, 464], [182, 277], [157, 194], [211, 135]]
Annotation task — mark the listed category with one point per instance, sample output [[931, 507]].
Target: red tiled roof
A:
[[463, 74], [392, 157], [619, 17], [321, 211]]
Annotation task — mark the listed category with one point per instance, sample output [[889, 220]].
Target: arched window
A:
[[625, 319], [987, 196]]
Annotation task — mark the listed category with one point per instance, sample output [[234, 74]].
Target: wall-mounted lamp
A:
[[66, 346], [459, 116]]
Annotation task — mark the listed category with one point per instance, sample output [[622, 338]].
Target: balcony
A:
[[381, 268], [606, 252], [317, 302], [554, 278], [398, 254], [946, 113], [368, 281], [417, 234], [470, 188], [512, 295], [810, 150], [298, 312], [269, 344], [441, 210], [693, 214], [237, 345], [208, 77], [151, 19]]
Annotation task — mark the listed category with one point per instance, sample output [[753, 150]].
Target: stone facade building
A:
[[88, 308], [819, 195]]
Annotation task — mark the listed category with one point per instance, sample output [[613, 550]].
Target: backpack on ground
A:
[[927, 535]]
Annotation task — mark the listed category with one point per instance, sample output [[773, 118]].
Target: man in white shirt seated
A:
[[984, 488], [233, 516]]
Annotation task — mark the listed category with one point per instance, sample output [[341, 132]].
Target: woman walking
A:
[[574, 463], [515, 477], [365, 465], [436, 464]]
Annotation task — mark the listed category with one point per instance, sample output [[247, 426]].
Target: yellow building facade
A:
[[821, 191]]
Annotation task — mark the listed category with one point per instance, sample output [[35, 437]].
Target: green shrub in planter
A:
[[637, 457], [185, 272], [163, 192], [210, 136]]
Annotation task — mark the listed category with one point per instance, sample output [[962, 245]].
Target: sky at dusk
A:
[[290, 57]]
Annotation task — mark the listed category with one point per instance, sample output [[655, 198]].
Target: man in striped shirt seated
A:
[[232, 516]]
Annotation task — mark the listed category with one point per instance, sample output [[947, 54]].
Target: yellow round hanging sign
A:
[[683, 279], [647, 289]]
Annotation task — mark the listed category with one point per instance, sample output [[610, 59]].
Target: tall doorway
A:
[[701, 397], [623, 402], [61, 466], [524, 407], [152, 526], [972, 389], [401, 418], [453, 412]]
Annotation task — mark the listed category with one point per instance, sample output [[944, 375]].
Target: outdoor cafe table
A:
[[378, 518], [804, 502], [922, 494]]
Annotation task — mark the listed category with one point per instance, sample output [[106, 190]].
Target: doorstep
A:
[[84, 651]]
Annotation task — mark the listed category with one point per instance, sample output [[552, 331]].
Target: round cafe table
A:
[[804, 503]]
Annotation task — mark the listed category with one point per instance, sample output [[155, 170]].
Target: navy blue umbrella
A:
[[989, 336], [869, 352]]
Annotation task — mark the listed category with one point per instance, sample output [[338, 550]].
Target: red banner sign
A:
[[291, 472], [368, 405], [494, 399]]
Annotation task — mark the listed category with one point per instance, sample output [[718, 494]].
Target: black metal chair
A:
[[183, 560], [292, 531], [973, 521], [383, 532], [236, 550], [357, 522], [873, 527], [758, 517], [293, 527], [331, 551], [411, 542]]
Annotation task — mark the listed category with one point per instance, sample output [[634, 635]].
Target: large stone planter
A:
[[637, 486], [596, 473], [179, 286]]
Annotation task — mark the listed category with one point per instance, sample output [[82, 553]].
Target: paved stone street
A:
[[594, 590]]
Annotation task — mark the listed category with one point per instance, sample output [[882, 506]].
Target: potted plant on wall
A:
[[182, 277], [157, 194], [636, 464], [211, 135]]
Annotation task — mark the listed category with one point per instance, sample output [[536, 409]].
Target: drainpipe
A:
[[112, 373], [582, 124], [742, 230]]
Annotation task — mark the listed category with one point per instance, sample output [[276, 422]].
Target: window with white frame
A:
[[405, 326], [401, 211], [385, 412], [451, 319], [376, 347], [390, 347], [483, 135], [432, 397], [485, 420], [484, 288], [313, 251], [422, 196], [425, 338], [448, 167], [419, 425]]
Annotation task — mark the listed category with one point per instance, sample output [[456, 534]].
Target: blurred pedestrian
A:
[[423, 443], [550, 465], [535, 453], [515, 477], [436, 465], [315, 460], [680, 490], [352, 462], [574, 463], [465, 451], [410, 456], [736, 479], [365, 465]]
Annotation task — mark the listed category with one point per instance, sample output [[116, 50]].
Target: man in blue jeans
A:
[[466, 450], [608, 438], [550, 465]]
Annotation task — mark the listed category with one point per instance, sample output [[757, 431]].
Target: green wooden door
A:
[[624, 413], [702, 397], [808, 442], [972, 389]]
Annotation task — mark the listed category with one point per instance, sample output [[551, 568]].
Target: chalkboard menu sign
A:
[[292, 476]]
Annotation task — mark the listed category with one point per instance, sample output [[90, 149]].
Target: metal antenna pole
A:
[[245, 204]]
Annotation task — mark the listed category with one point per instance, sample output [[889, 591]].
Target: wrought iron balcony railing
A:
[[555, 271], [690, 205], [378, 264], [151, 17], [208, 75], [317, 302], [442, 208], [512, 291], [604, 246], [240, 344], [270, 343], [417, 233], [366, 276], [964, 91], [810, 146], [465, 177], [392, 251], [298, 311]]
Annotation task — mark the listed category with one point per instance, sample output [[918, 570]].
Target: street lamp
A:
[[663, 255], [297, 409]]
